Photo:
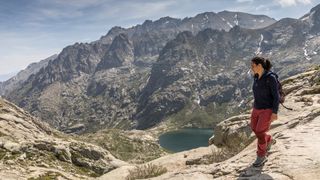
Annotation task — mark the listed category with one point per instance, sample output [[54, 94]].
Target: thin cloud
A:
[[58, 13], [73, 4], [242, 1], [287, 3], [126, 10], [19, 50]]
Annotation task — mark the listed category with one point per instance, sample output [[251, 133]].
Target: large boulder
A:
[[232, 132]]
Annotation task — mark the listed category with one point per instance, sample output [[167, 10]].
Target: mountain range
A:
[[188, 72]]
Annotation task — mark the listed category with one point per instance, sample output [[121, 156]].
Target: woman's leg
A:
[[254, 119], [254, 122], [263, 125]]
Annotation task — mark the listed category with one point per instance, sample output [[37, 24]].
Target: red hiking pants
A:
[[260, 124]]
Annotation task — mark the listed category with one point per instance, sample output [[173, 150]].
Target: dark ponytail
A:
[[268, 65], [265, 63]]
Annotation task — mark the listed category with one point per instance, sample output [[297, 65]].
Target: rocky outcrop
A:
[[29, 148], [232, 131]]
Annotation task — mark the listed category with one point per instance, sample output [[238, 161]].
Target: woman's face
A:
[[255, 67]]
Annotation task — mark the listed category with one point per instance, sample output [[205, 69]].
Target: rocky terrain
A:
[[294, 156], [30, 149]]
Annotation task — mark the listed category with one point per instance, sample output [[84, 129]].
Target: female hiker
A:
[[266, 105]]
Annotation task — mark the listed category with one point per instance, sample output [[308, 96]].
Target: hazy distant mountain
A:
[[4, 77], [17, 80]]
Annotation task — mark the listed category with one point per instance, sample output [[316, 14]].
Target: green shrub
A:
[[146, 171]]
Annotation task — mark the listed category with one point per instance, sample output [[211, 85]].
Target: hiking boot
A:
[[259, 161], [273, 141]]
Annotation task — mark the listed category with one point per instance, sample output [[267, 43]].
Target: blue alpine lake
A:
[[185, 139]]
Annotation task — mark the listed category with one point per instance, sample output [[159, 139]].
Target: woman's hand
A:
[[274, 117]]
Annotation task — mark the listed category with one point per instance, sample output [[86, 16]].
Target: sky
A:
[[32, 30]]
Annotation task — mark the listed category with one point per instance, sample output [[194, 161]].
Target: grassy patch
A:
[[200, 117], [189, 117], [316, 78], [146, 171], [125, 148], [224, 153], [12, 156], [86, 172], [217, 155], [315, 67]]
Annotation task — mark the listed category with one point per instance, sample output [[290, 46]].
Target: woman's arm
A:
[[275, 93]]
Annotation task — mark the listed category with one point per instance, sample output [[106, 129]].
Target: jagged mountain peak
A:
[[313, 18], [245, 20], [205, 15], [166, 19], [225, 21], [242, 13], [116, 30], [120, 53]]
